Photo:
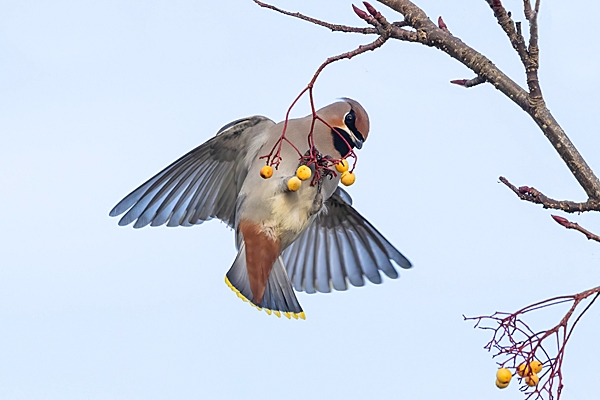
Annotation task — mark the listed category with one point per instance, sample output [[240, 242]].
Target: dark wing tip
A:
[[402, 261], [117, 210], [124, 221]]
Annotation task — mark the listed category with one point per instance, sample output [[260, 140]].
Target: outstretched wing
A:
[[201, 185], [338, 247]]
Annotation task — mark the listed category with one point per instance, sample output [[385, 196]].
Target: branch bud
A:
[[460, 82], [524, 189], [442, 24], [372, 10], [561, 220], [361, 14]]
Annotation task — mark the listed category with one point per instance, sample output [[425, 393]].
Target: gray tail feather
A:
[[279, 294]]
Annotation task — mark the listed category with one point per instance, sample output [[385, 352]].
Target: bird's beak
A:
[[351, 136], [357, 142]]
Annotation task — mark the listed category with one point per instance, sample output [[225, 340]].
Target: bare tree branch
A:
[[429, 34], [535, 196], [573, 225]]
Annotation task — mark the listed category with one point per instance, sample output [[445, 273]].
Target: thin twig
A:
[[273, 158], [333, 27], [512, 30], [535, 196], [573, 225], [400, 24], [516, 343], [581, 314], [532, 64]]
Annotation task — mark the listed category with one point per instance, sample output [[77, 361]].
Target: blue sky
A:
[[97, 97]]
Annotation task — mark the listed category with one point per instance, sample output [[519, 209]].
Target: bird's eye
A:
[[350, 117]]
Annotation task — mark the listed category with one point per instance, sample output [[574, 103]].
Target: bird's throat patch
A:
[[342, 141]]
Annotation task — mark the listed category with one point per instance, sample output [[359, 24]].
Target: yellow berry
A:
[[342, 166], [532, 380], [500, 384], [535, 366], [303, 172], [348, 178], [266, 172], [503, 375], [523, 370], [294, 183]]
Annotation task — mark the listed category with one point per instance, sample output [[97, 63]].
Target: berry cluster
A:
[[304, 173], [528, 372]]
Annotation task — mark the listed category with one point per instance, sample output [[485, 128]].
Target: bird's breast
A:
[[292, 212]]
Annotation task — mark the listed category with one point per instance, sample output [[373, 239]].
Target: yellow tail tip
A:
[[288, 314]]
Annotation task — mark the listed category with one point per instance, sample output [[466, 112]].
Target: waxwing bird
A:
[[309, 240]]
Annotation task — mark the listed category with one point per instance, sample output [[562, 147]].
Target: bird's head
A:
[[350, 124]]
